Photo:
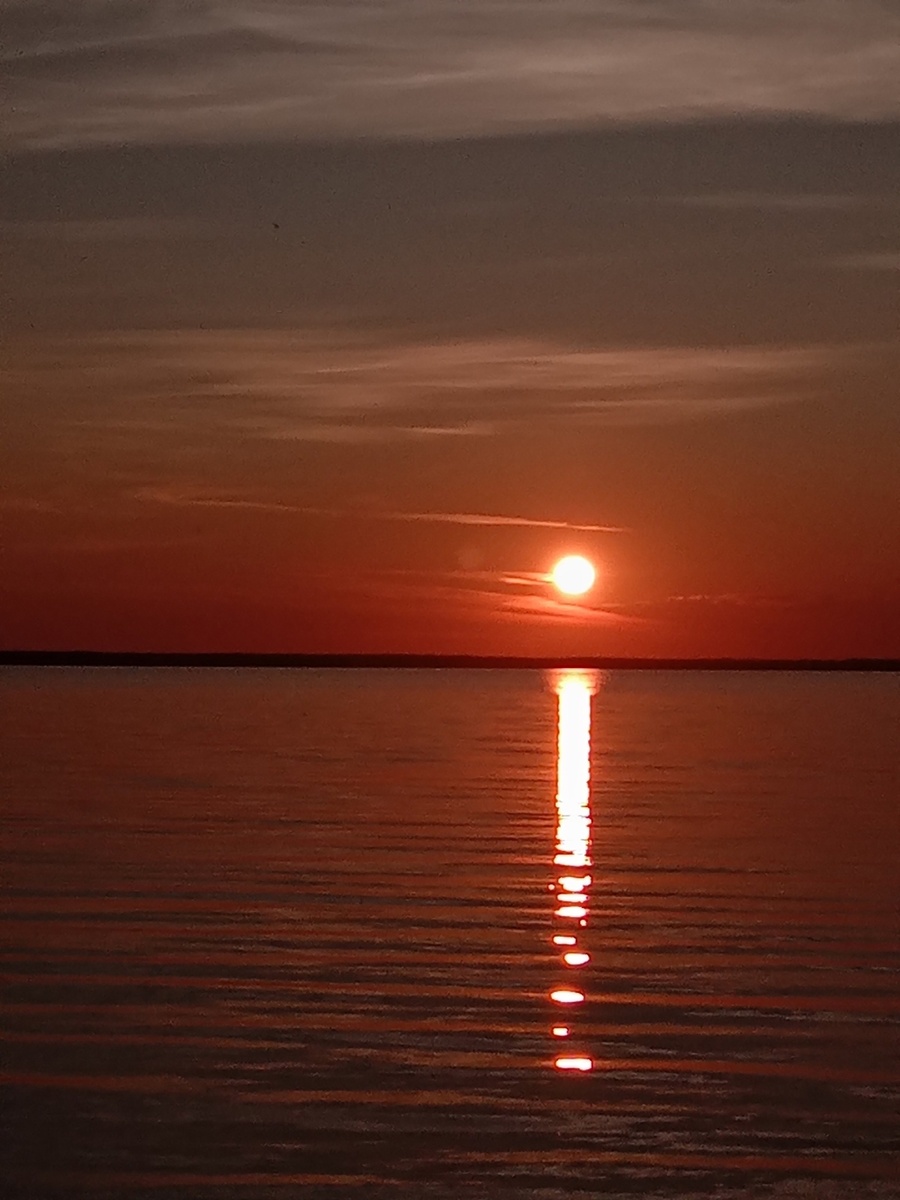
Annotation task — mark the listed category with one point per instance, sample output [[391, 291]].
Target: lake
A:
[[425, 933]]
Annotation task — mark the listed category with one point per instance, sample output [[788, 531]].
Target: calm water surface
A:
[[449, 934]]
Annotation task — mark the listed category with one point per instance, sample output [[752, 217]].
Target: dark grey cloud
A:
[[119, 71], [706, 234]]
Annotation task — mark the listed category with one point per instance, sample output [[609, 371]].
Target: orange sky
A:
[[322, 381]]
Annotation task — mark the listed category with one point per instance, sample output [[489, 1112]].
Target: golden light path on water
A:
[[574, 690]]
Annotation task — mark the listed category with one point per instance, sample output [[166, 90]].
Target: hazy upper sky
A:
[[90, 71], [331, 326]]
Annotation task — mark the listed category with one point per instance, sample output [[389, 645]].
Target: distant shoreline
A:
[[94, 658]]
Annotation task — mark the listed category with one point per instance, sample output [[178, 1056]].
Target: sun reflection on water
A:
[[574, 690]]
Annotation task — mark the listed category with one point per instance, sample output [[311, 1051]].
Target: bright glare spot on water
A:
[[560, 1031], [564, 939], [571, 910], [576, 960], [566, 996], [574, 883], [575, 1064]]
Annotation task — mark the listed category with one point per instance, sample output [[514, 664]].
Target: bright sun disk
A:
[[573, 575]]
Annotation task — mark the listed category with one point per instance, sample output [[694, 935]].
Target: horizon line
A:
[[251, 659]]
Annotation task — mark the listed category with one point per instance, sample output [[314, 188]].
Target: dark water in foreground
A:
[[292, 933]]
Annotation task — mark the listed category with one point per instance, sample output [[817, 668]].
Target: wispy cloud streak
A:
[[879, 260], [116, 229], [799, 202], [279, 385], [190, 499], [486, 519]]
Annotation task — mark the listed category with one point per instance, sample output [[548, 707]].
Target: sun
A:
[[573, 575]]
